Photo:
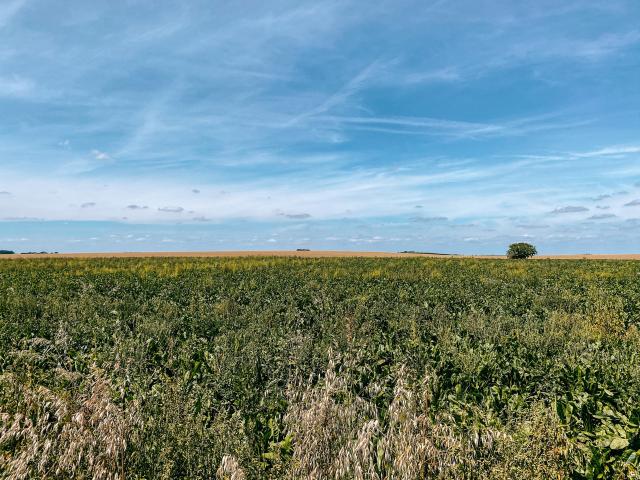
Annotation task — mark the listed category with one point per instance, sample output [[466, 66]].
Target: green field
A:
[[319, 368]]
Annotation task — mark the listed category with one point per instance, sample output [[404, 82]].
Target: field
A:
[[307, 254], [349, 368]]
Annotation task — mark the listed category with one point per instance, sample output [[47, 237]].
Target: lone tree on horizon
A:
[[521, 250]]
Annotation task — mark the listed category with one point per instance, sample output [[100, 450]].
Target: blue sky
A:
[[433, 125]]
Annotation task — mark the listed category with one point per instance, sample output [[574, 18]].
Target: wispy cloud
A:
[[590, 49], [604, 45], [296, 216], [434, 76], [348, 90], [9, 9], [171, 209], [102, 156], [429, 219], [569, 209], [452, 128], [608, 151], [15, 86], [532, 226]]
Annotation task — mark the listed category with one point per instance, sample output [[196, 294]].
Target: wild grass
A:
[[52, 435]]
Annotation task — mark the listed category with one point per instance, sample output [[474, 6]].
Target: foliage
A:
[[521, 250], [319, 368], [7, 252]]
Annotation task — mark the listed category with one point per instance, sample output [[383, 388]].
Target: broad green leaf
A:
[[618, 443]]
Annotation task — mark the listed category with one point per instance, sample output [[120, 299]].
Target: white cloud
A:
[[604, 45], [171, 209], [101, 156], [569, 209], [429, 219], [331, 193], [434, 76], [296, 216], [608, 151], [9, 9], [349, 89], [439, 127], [15, 86]]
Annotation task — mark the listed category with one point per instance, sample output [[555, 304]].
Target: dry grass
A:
[[239, 253], [56, 436], [329, 433], [230, 469], [340, 435]]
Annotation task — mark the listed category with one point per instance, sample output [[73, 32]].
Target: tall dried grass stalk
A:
[[59, 437], [324, 428], [338, 435], [230, 469]]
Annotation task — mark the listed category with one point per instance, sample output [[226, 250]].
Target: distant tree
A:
[[521, 250], [7, 252]]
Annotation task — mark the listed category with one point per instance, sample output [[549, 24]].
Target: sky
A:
[[440, 126]]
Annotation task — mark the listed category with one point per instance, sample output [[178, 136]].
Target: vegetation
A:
[[521, 250], [319, 368], [423, 253], [7, 252]]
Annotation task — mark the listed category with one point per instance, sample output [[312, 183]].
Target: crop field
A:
[[325, 368]]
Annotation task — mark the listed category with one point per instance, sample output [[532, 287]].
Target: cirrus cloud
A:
[[171, 209], [569, 209]]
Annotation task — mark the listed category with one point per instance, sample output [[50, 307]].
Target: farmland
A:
[[370, 368]]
